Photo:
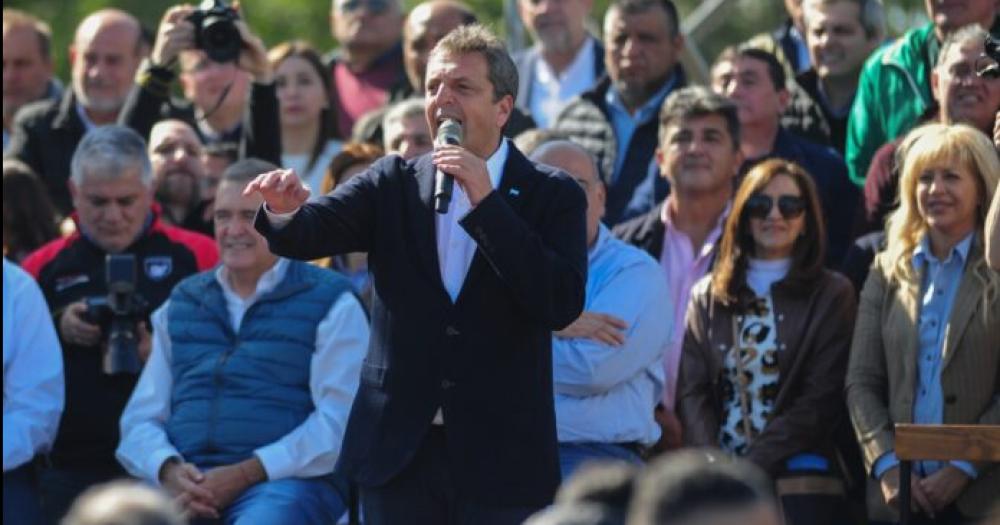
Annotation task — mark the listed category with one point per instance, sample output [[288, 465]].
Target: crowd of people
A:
[[644, 301]]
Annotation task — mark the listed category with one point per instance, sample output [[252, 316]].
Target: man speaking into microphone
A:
[[453, 421]]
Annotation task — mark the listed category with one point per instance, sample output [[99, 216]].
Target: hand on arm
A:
[[185, 482], [919, 501], [226, 483], [596, 326]]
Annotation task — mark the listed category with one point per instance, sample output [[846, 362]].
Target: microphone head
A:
[[450, 132]]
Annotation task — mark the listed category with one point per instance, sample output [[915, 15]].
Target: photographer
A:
[[215, 74], [111, 185]]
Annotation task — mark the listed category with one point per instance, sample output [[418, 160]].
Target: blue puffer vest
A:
[[235, 392]]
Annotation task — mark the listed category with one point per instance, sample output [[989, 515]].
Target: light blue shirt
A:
[[937, 296], [604, 393], [625, 123]]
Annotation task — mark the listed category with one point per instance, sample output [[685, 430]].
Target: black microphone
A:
[[449, 132]]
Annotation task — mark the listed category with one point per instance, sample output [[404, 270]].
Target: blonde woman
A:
[[926, 345]]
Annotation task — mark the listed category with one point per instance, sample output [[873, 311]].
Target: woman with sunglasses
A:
[[308, 140], [926, 347], [766, 345]]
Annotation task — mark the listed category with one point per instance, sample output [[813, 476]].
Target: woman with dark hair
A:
[[354, 158], [926, 347], [308, 128], [29, 218], [767, 340]]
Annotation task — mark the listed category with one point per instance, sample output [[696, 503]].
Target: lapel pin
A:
[[514, 192]]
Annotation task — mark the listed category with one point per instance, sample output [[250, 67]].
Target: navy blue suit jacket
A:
[[486, 359]]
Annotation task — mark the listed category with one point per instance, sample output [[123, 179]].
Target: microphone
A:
[[449, 132]]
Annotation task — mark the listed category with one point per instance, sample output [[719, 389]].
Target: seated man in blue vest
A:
[[608, 364], [241, 408]]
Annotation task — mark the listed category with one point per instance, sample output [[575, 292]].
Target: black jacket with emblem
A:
[[73, 268]]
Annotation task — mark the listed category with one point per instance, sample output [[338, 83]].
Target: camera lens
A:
[[220, 39]]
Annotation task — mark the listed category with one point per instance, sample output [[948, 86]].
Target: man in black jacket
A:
[[454, 419], [616, 119], [111, 183], [105, 53], [217, 105]]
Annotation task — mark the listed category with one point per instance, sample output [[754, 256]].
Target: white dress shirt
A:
[[311, 449], [33, 391], [550, 91]]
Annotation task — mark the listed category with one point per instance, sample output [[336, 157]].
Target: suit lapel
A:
[[909, 297], [515, 180], [969, 293], [423, 222]]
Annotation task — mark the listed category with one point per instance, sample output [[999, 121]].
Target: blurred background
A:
[[731, 21]]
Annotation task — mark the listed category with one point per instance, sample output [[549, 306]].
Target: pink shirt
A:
[[359, 93], [683, 267]]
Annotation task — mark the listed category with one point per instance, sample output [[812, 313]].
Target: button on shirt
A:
[[940, 284], [550, 90], [32, 370], [683, 267], [311, 449], [625, 123], [604, 393]]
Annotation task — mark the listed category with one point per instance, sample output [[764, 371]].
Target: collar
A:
[[650, 108], [922, 254], [494, 164], [87, 123], [267, 282], [668, 221], [603, 236], [581, 64]]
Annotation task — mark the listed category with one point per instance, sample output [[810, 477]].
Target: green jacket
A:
[[894, 91]]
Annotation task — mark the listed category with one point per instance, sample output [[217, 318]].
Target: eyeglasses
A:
[[375, 7], [791, 206]]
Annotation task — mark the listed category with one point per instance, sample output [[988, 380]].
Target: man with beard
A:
[[616, 119], [104, 56], [178, 169], [565, 60]]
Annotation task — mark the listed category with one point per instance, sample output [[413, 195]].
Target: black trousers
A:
[[425, 492]]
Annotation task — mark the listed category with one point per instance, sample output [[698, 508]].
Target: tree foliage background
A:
[[280, 20]]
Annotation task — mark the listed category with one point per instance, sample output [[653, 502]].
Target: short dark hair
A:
[[699, 101], [640, 6], [775, 71], [476, 38], [243, 171], [682, 484]]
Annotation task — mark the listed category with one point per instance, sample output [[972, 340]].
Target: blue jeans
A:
[[20, 496], [290, 501], [573, 455]]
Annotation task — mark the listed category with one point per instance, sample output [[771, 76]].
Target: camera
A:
[[118, 314], [988, 64], [215, 32]]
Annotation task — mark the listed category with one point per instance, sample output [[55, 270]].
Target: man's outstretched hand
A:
[[282, 190]]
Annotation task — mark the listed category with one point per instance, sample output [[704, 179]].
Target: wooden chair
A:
[[940, 443]]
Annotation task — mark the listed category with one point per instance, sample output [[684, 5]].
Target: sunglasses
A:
[[375, 7], [791, 206]]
